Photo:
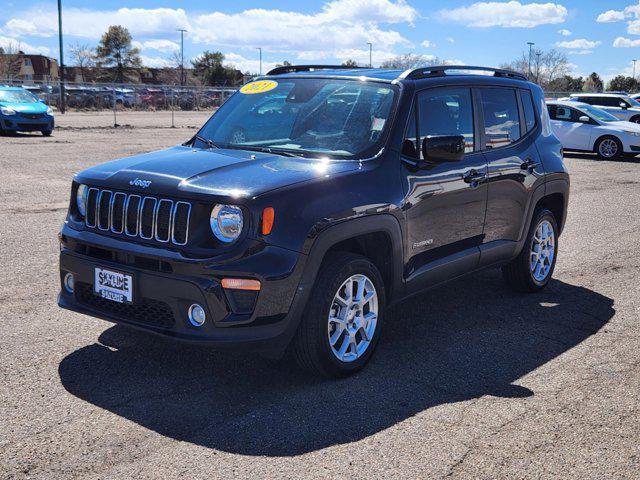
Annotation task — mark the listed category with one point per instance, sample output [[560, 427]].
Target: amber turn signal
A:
[[268, 215], [240, 284]]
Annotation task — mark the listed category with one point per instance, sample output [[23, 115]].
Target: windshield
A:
[[307, 117], [632, 101], [17, 96], [598, 114]]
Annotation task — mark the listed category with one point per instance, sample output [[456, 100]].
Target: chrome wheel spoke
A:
[[353, 318], [542, 251]]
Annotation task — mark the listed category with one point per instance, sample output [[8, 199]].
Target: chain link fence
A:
[[124, 103]]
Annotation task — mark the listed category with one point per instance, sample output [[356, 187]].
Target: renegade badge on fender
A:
[[314, 199]]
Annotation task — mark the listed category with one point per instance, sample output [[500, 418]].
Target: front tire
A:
[[343, 319], [46, 133], [608, 148], [532, 269]]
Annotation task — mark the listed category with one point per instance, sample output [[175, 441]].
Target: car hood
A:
[[37, 107], [628, 126], [220, 172]]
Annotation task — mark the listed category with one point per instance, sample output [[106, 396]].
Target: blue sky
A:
[[602, 36]]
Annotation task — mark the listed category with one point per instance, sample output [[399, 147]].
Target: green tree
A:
[[209, 67], [593, 84], [566, 83], [115, 51], [349, 63], [623, 84]]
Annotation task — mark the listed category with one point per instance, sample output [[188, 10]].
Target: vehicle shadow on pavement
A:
[[468, 339]]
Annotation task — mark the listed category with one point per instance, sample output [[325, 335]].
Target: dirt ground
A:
[[469, 380]]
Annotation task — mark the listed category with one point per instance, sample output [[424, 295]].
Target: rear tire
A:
[[46, 133], [608, 148], [532, 269], [340, 327]]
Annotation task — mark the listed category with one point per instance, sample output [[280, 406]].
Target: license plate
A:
[[114, 286]]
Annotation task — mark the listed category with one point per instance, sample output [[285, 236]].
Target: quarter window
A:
[[501, 117], [446, 111], [529, 112]]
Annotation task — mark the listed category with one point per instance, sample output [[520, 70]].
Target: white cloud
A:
[[156, 62], [506, 14], [251, 65], [611, 16], [564, 32], [159, 45], [622, 42], [9, 43], [82, 22], [338, 25], [428, 44], [451, 40], [579, 43], [581, 52]]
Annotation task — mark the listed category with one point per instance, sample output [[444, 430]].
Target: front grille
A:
[[147, 311], [148, 218], [32, 116]]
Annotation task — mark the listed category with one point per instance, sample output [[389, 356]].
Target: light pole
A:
[[181, 30], [531, 44], [634, 68], [538, 66], [260, 48], [370, 51], [62, 99]]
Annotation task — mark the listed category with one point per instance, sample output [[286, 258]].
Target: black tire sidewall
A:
[[335, 367]]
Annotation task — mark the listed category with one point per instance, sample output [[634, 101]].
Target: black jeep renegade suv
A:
[[314, 199]]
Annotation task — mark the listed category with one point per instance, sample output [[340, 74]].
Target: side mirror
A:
[[443, 148], [623, 105], [584, 119]]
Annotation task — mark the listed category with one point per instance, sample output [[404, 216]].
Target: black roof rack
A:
[[307, 68], [440, 71]]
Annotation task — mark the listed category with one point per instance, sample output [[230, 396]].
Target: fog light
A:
[[196, 315], [69, 282]]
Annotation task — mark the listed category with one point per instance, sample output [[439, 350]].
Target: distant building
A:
[[32, 68]]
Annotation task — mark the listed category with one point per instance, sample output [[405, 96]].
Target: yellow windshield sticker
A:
[[260, 86]]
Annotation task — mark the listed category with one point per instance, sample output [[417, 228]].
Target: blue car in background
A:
[[22, 111]]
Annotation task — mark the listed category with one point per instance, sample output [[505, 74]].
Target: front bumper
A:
[[26, 123], [165, 284]]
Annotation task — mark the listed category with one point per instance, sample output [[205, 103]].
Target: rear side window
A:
[[501, 117], [529, 111], [446, 111]]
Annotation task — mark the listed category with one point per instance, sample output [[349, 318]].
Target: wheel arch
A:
[[377, 237]]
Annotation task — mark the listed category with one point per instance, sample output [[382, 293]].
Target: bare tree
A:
[[545, 66], [410, 60], [83, 56], [10, 62]]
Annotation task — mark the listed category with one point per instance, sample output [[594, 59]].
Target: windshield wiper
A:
[[208, 142]]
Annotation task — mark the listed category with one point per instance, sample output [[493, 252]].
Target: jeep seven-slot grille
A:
[[134, 215]]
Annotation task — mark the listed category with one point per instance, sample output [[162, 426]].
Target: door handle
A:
[[529, 164], [472, 176]]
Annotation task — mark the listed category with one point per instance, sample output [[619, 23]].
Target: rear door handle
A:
[[529, 164]]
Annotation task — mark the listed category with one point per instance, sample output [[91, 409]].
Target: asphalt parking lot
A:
[[470, 380]]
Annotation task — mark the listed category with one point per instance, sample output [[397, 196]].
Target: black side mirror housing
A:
[[443, 148]]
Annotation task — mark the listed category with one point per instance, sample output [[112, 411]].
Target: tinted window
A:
[[501, 118], [560, 112], [446, 111], [529, 111]]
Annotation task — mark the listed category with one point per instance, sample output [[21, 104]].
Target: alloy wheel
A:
[[353, 318], [543, 249], [608, 148]]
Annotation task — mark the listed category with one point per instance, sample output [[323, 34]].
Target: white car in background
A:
[[583, 127], [620, 105]]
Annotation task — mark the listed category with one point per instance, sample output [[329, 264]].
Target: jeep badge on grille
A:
[[140, 183]]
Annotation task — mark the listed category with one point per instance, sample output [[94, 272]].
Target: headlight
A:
[[633, 134], [81, 199], [7, 111], [226, 222], [49, 111]]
